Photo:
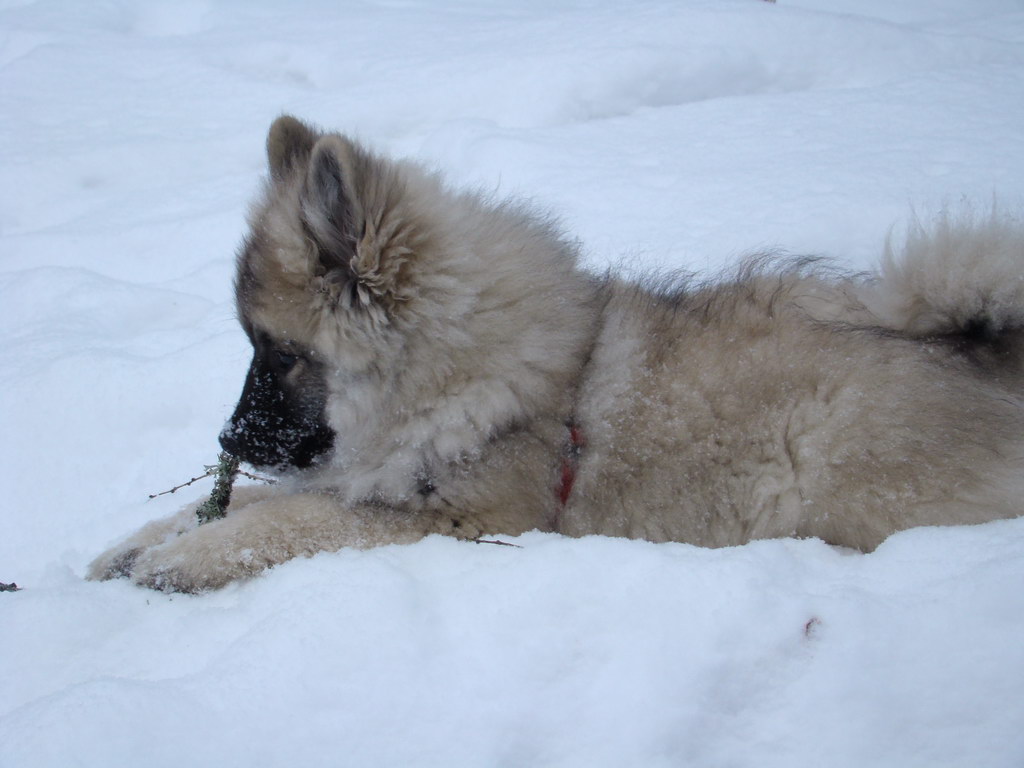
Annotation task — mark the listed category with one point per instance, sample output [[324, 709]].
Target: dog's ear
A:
[[329, 205], [289, 144], [352, 206]]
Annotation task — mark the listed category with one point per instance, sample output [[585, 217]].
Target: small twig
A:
[[212, 469], [498, 542], [209, 471], [12, 587]]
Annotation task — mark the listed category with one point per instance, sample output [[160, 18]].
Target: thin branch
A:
[[209, 471], [258, 478], [498, 542]]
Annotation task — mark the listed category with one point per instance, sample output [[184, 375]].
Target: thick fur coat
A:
[[430, 361]]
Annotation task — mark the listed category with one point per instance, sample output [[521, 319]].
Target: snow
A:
[[665, 133]]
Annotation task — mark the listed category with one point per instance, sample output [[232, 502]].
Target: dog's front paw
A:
[[115, 563], [206, 558], [119, 561]]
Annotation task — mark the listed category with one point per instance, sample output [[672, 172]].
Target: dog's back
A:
[[788, 402]]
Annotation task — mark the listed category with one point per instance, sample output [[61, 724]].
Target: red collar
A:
[[570, 461]]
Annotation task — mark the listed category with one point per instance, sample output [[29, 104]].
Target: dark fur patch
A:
[[279, 422], [329, 213]]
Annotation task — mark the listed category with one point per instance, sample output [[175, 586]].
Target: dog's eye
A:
[[285, 360]]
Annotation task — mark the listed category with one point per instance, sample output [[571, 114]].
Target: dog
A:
[[428, 360]]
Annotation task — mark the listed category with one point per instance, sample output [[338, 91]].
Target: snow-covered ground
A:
[[665, 133]]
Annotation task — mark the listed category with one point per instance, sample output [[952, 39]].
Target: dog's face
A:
[[280, 420], [320, 275]]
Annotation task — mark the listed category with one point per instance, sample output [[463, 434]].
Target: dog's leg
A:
[[268, 533], [119, 560]]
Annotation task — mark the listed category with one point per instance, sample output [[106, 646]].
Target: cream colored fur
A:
[[461, 338]]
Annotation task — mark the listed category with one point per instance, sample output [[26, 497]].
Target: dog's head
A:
[[392, 319], [318, 277]]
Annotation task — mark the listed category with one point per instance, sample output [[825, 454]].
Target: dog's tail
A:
[[962, 276]]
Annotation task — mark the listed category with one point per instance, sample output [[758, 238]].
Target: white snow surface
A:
[[665, 133]]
